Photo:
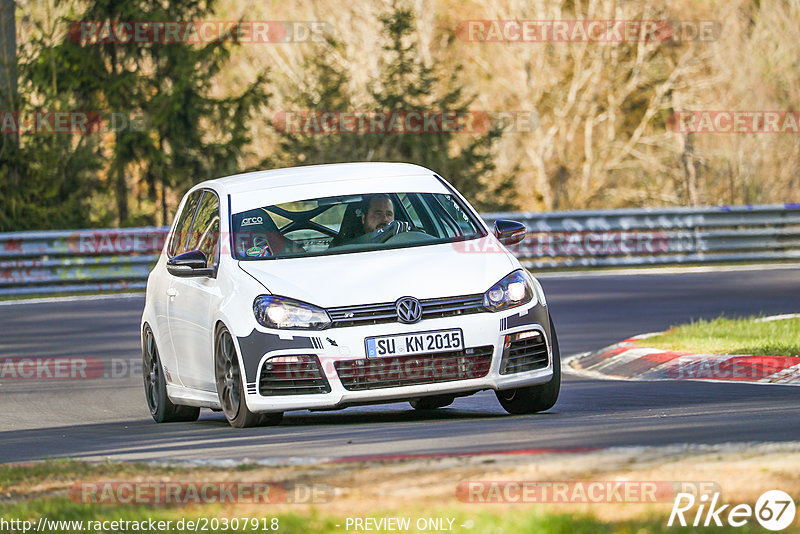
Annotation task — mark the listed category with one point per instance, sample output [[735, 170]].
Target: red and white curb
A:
[[629, 360]]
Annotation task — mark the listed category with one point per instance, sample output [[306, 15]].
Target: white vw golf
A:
[[330, 286]]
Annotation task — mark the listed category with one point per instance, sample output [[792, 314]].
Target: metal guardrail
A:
[[637, 237], [92, 260], [78, 261]]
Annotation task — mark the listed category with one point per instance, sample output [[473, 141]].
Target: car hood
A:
[[386, 275]]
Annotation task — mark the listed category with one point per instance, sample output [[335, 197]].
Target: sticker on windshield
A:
[[257, 252]]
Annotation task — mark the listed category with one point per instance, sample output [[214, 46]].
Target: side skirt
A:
[[193, 397]]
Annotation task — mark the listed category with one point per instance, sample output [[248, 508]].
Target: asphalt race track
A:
[[108, 418]]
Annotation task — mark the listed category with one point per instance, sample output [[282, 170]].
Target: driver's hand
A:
[[392, 229], [401, 226]]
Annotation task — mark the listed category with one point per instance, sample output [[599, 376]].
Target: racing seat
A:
[[351, 225]]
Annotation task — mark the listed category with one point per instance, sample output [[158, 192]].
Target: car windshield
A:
[[351, 223]]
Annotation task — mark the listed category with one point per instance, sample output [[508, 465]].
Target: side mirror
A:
[[509, 232], [191, 263]]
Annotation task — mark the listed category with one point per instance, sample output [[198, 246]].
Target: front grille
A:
[[525, 351], [369, 314], [292, 375], [396, 371]]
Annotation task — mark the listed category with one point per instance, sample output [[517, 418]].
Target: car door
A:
[[192, 301], [162, 282]]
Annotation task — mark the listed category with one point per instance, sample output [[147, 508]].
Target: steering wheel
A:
[[412, 236], [392, 229]]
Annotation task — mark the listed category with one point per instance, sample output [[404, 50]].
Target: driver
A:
[[377, 218]]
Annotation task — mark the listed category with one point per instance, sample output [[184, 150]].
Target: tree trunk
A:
[[119, 163], [121, 192], [8, 66], [8, 91], [8, 54], [690, 170]]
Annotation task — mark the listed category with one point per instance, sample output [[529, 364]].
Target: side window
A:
[[454, 210], [205, 230], [181, 235]]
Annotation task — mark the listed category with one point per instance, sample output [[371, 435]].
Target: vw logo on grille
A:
[[409, 310]]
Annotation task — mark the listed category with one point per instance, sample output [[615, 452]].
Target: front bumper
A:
[[347, 345]]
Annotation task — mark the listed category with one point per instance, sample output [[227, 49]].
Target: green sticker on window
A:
[[257, 252]]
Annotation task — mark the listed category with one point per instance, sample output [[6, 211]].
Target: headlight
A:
[[281, 312], [513, 290]]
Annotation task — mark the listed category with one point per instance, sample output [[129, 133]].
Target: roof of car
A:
[[259, 180]]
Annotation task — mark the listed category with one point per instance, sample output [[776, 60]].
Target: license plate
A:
[[417, 343]]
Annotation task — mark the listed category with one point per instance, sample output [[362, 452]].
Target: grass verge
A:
[[38, 473], [732, 336]]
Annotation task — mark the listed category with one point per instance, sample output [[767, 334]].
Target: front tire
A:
[[230, 386], [155, 386], [539, 398]]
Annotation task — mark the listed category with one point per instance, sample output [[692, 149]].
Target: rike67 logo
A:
[[774, 510]]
